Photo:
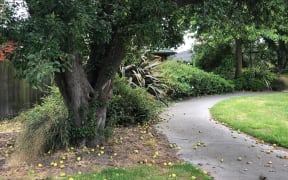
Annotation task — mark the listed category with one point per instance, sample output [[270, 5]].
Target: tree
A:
[[276, 32], [81, 45], [222, 21]]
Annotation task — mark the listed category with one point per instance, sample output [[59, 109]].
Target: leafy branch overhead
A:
[[80, 46]]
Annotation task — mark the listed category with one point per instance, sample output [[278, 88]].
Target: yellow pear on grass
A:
[[40, 165], [78, 159], [62, 174]]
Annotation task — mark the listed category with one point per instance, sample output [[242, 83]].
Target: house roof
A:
[[5, 48]]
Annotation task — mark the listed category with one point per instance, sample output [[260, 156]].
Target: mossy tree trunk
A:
[[86, 92]]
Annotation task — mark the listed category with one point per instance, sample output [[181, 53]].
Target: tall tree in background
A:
[[82, 43], [238, 21], [275, 29]]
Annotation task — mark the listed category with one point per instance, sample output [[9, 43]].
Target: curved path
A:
[[188, 123]]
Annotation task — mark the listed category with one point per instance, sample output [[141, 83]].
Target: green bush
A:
[[131, 105], [46, 127], [226, 69], [185, 80], [255, 79], [209, 57]]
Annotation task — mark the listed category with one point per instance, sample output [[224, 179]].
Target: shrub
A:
[[226, 69], [141, 74], [210, 57], [131, 105], [46, 127], [255, 79], [185, 80]]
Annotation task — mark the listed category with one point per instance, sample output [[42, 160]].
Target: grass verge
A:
[[177, 171], [263, 116]]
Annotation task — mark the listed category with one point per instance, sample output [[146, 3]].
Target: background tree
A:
[[82, 43], [237, 21]]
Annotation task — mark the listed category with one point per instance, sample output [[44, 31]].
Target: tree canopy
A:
[[220, 21], [80, 44]]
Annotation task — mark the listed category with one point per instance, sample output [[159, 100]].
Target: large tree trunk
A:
[[102, 77], [87, 95], [78, 95], [239, 57]]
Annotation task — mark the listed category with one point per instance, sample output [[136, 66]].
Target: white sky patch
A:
[[188, 43], [20, 8]]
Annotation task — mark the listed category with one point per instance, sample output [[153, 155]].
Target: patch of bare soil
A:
[[129, 146]]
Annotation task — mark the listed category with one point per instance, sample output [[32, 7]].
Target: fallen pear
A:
[[62, 174]]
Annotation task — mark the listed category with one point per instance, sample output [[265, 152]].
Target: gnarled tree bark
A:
[[86, 93]]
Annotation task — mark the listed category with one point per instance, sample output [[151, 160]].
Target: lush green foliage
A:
[[255, 79], [263, 116], [57, 31], [80, 44], [224, 20], [46, 126], [244, 22], [182, 171], [185, 80], [217, 59], [131, 105], [210, 57]]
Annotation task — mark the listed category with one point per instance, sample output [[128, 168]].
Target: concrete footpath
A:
[[222, 152]]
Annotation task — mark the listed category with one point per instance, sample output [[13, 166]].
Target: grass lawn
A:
[[263, 116], [177, 171]]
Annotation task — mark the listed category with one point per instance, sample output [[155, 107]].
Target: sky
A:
[[188, 43]]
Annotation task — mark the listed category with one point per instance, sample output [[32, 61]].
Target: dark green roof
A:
[[164, 52]]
